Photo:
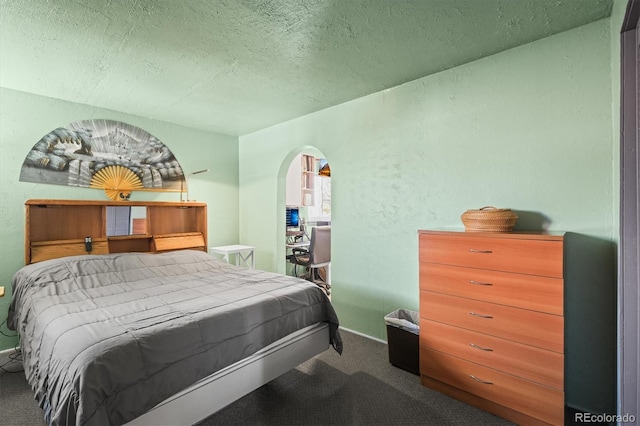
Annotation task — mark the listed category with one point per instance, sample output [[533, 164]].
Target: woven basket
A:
[[489, 219]]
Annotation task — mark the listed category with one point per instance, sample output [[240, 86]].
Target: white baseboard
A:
[[363, 335], [8, 351]]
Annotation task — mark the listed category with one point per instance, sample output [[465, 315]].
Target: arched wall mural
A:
[[103, 154]]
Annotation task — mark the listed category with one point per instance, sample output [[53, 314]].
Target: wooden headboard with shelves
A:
[[58, 228]]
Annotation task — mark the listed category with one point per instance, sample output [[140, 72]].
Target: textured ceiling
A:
[[237, 66]]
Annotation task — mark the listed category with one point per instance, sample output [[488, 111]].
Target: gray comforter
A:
[[104, 338]]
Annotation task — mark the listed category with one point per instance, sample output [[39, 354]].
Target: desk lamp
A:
[[185, 184]]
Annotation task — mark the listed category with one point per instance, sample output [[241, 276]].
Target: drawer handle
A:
[[478, 283], [480, 315], [480, 251], [480, 380], [473, 345]]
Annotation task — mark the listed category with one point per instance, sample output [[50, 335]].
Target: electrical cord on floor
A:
[[15, 359]]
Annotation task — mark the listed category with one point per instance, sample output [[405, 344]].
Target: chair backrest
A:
[[320, 244]]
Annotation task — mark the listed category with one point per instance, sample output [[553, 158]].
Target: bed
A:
[[159, 338]]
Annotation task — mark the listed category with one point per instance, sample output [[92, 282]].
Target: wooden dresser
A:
[[492, 321]]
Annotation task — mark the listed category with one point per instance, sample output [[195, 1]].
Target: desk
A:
[[304, 244], [242, 253]]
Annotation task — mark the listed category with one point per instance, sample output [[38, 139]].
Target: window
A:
[[321, 209]]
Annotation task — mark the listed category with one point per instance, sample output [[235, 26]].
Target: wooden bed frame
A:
[[58, 228], [215, 392]]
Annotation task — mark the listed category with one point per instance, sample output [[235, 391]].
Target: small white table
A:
[[242, 253]]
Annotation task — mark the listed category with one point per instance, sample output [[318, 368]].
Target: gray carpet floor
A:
[[359, 387]]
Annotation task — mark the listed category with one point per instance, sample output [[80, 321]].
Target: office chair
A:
[[317, 256]]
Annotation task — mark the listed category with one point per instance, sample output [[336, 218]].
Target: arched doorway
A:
[[305, 198]]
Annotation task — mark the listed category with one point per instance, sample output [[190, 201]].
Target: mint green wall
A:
[[532, 128], [528, 129], [25, 118]]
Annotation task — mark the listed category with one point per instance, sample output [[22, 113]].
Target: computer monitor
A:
[[293, 217]]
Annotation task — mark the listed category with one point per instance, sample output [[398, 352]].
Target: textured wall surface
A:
[[25, 118], [528, 129]]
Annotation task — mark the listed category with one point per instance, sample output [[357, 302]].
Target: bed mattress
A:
[[104, 338]]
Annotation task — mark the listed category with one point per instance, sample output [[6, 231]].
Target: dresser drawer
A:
[[535, 400], [532, 292], [525, 256], [531, 363], [529, 327]]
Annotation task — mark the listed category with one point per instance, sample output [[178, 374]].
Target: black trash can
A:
[[403, 328]]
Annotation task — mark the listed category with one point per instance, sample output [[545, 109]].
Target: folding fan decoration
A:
[[117, 182], [103, 154]]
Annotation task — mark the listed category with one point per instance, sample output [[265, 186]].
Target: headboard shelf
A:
[[185, 240], [58, 242], [56, 228], [130, 237], [45, 250], [55, 203]]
